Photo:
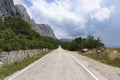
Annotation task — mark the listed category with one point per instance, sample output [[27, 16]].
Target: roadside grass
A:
[[7, 70], [103, 57]]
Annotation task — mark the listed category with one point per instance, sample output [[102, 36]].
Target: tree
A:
[[17, 34], [79, 43]]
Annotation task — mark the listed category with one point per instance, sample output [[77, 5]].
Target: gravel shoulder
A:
[[98, 68]]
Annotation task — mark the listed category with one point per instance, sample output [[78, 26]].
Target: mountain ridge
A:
[[8, 9]]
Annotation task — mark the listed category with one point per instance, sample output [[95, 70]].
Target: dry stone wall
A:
[[10, 57]]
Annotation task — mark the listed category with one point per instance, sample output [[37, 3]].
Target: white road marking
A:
[[26, 68], [46, 56], [85, 68]]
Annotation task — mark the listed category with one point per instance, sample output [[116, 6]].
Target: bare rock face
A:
[[42, 29], [21, 11], [7, 8], [46, 30]]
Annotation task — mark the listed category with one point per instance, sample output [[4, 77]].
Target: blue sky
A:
[[28, 3], [73, 18], [49, 1]]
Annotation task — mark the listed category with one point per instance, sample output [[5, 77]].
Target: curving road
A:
[[58, 65]]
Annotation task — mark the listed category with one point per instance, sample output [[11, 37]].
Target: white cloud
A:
[[103, 13], [67, 16], [89, 6]]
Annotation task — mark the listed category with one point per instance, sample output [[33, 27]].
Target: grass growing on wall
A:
[[16, 66]]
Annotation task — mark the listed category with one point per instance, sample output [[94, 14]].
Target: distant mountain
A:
[[8, 9], [65, 40], [45, 30]]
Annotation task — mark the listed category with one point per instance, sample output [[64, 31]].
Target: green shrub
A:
[[79, 43], [17, 34], [103, 57]]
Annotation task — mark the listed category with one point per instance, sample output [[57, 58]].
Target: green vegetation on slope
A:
[[104, 58], [79, 43], [17, 34], [107, 56]]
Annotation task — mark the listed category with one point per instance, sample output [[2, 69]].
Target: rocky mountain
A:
[[65, 40], [45, 30], [7, 8]]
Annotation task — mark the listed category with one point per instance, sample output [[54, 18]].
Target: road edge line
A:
[[26, 68], [93, 75]]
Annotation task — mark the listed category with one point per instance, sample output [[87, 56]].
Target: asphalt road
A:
[[57, 65]]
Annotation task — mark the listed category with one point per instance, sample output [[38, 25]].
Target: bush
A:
[[79, 43], [17, 34]]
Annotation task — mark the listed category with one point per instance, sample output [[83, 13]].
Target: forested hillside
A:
[[16, 34]]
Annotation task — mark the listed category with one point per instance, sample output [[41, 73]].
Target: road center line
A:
[[84, 67]]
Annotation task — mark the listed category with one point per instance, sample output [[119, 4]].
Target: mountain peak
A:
[[8, 9]]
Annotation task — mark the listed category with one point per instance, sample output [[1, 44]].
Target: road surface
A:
[[59, 65]]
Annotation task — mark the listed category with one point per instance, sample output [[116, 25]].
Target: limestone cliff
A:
[[45, 30], [7, 8]]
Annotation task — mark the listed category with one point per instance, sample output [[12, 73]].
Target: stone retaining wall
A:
[[9, 57]]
